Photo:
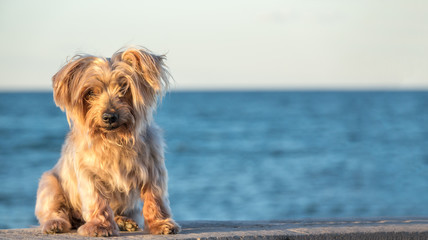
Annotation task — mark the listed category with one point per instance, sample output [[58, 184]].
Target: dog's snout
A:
[[109, 117]]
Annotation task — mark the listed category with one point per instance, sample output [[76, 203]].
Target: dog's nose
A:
[[110, 118]]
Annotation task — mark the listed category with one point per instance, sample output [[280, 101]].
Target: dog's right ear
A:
[[66, 80]]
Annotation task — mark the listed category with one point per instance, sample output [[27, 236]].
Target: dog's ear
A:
[[150, 66], [149, 75], [66, 81]]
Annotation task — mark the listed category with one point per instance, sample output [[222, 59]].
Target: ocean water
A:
[[250, 155]]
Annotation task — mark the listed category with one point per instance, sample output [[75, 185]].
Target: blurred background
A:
[[278, 110]]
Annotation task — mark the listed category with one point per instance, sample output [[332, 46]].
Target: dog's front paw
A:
[[57, 225], [92, 229], [167, 226], [126, 224]]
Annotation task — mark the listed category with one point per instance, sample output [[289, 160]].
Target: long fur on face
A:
[[107, 162]]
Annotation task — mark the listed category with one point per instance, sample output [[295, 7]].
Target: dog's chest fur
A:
[[116, 168], [116, 171]]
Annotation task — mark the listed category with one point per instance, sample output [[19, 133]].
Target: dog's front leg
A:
[[157, 215], [96, 211]]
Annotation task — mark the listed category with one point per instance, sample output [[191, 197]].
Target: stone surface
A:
[[372, 228]]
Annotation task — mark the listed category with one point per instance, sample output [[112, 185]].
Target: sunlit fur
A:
[[106, 169]]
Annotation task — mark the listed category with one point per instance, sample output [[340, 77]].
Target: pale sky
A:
[[225, 44]]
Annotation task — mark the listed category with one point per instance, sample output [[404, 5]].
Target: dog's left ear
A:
[[150, 66], [149, 73]]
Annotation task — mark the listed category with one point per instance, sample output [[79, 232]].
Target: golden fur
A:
[[109, 162]]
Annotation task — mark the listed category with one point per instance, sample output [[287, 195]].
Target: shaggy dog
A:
[[113, 154]]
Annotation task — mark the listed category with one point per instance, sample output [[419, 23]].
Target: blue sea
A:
[[250, 155]]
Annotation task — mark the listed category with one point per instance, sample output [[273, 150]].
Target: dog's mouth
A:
[[111, 127]]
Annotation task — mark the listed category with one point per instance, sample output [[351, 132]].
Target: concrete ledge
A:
[[370, 228]]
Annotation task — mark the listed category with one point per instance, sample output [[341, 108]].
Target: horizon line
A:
[[42, 90]]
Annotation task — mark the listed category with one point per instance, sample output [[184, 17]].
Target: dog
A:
[[113, 156]]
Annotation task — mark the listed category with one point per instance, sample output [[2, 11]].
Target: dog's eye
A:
[[123, 90], [89, 94]]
